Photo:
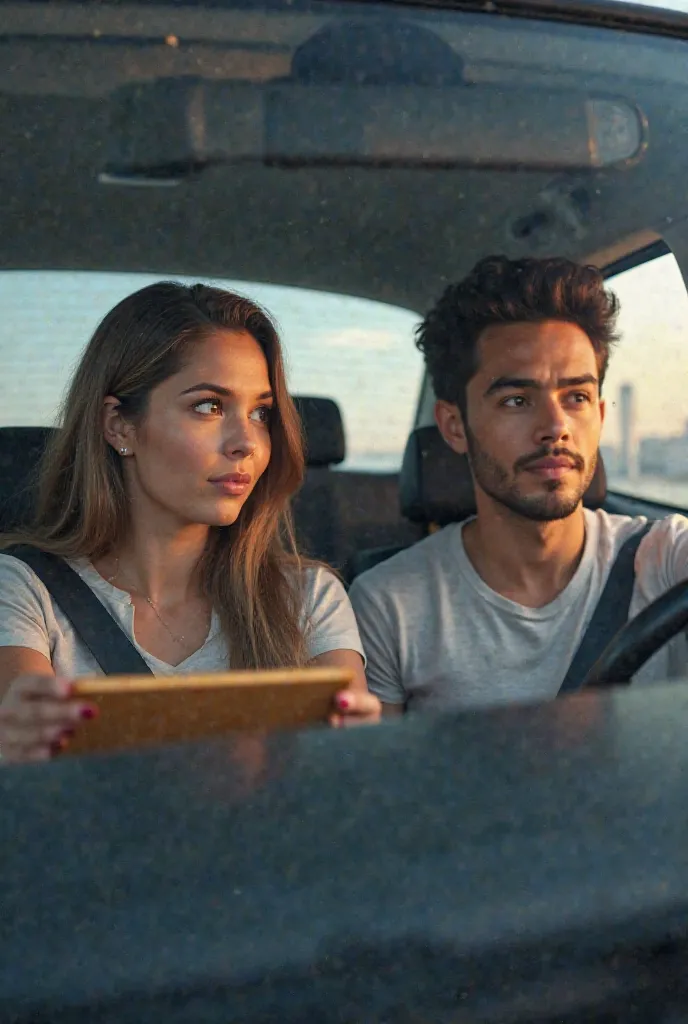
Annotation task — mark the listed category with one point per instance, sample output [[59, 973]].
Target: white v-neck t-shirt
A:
[[30, 618]]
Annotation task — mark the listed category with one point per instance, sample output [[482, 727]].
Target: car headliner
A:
[[394, 235]]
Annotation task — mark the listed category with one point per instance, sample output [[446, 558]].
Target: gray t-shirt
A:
[[436, 636], [30, 618]]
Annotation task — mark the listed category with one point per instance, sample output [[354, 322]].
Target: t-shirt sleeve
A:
[[22, 614], [662, 559], [331, 623], [376, 623]]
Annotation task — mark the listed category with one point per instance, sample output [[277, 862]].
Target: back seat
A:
[[337, 513], [20, 450]]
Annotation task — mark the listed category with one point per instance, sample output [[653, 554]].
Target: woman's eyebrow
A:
[[217, 389]]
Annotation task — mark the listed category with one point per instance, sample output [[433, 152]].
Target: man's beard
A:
[[557, 501]]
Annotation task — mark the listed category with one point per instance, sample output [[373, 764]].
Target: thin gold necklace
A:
[[177, 639]]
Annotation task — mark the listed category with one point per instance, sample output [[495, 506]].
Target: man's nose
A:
[[552, 423]]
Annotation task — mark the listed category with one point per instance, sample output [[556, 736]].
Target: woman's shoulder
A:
[[15, 572], [27, 616], [319, 582]]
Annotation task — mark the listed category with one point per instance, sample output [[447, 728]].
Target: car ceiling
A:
[[393, 235]]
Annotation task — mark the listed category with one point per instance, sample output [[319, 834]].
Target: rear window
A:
[[359, 353]]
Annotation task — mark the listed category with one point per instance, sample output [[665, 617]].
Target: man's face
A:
[[534, 418]]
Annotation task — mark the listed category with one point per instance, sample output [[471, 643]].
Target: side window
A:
[[645, 438], [359, 353]]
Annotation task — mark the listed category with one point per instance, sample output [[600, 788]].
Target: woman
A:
[[167, 489]]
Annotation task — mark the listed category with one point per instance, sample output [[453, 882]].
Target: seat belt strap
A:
[[92, 622], [610, 615]]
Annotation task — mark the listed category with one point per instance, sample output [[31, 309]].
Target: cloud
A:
[[373, 339]]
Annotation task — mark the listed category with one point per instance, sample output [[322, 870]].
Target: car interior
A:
[[394, 232], [369, 153]]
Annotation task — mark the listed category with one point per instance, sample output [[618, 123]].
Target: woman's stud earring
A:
[[123, 451]]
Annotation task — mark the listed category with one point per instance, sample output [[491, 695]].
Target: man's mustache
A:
[[577, 460]]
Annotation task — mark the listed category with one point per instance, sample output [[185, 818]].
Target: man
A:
[[493, 610]]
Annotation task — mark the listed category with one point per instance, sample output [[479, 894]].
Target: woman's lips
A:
[[235, 484]]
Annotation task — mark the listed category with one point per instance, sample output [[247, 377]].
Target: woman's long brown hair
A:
[[250, 571]]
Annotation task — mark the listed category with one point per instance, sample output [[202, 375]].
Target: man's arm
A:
[[379, 629]]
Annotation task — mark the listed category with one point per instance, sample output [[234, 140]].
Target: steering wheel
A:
[[641, 638]]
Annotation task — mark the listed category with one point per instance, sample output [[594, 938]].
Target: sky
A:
[[673, 5]]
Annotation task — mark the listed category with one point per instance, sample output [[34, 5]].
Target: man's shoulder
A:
[[413, 567], [661, 556], [614, 530]]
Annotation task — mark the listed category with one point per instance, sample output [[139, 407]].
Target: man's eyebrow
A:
[[521, 383], [217, 389]]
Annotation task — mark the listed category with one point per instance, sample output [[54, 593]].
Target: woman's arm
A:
[[21, 661], [355, 705]]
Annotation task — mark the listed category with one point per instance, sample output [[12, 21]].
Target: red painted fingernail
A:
[[342, 701], [89, 712]]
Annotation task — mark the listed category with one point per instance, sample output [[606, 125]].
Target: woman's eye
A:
[[262, 414], [209, 407]]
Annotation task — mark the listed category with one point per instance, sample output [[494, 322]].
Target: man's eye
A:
[[580, 397], [514, 402], [209, 407]]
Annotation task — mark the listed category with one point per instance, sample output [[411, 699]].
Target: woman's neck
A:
[[159, 566]]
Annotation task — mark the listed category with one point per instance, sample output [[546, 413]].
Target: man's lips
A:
[[552, 467], [232, 483]]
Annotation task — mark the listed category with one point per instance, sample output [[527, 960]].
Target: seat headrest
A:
[[20, 451], [436, 485], [323, 430]]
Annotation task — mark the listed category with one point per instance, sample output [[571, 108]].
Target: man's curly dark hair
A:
[[503, 291]]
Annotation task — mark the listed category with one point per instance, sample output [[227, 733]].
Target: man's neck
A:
[[526, 561]]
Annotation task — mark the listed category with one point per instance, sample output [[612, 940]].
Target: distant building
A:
[[610, 458], [628, 448], [664, 456]]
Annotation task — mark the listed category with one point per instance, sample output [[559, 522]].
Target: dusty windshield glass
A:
[[341, 164]]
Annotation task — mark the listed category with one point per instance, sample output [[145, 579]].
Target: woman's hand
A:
[[37, 718], [356, 707]]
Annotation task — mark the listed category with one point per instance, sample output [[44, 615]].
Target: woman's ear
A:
[[117, 431], [450, 424]]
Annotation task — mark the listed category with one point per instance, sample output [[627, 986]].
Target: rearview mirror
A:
[[168, 129]]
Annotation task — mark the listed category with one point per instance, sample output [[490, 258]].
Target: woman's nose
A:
[[239, 441]]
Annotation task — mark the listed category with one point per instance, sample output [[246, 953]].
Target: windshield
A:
[[344, 165]]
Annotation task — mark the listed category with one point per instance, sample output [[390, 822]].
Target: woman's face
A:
[[204, 441]]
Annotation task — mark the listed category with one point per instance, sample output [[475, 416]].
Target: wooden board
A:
[[138, 711]]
